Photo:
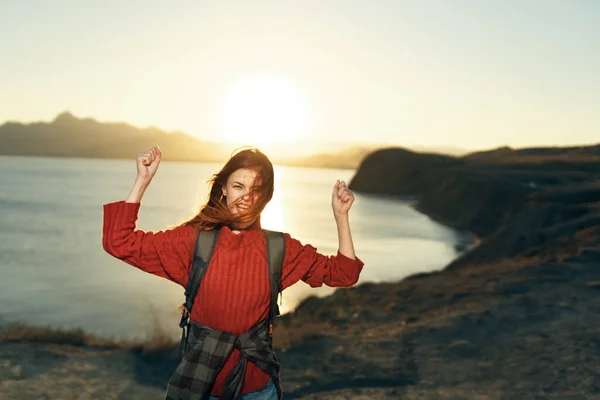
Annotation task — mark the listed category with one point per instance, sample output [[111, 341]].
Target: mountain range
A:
[[70, 136]]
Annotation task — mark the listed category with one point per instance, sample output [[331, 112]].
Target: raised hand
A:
[[147, 164], [341, 199]]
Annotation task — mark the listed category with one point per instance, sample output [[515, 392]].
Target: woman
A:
[[234, 295]]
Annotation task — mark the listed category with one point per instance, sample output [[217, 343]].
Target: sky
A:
[[456, 73]]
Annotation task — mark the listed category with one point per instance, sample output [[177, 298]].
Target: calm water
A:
[[53, 270]]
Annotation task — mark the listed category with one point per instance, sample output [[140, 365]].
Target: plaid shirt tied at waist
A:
[[209, 349]]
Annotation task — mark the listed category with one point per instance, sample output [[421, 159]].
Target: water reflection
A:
[[272, 216], [390, 237]]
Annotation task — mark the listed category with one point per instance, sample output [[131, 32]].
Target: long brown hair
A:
[[215, 213]]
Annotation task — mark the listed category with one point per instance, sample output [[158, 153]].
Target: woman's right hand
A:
[[147, 164]]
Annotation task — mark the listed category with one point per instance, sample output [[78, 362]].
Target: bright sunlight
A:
[[264, 109]]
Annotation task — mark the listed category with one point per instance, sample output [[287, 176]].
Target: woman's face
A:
[[237, 190]]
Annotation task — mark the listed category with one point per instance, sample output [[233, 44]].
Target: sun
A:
[[264, 109]]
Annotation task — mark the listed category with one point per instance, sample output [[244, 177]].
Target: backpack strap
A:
[[205, 244], [275, 256]]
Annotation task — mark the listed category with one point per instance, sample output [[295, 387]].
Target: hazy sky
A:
[[468, 74]]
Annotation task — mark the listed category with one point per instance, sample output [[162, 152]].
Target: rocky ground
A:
[[517, 317], [520, 331]]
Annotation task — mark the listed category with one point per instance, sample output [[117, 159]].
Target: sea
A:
[[54, 271]]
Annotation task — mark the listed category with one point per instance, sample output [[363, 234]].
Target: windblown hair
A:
[[215, 213]]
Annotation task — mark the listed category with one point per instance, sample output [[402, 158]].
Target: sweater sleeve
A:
[[303, 262], [167, 254]]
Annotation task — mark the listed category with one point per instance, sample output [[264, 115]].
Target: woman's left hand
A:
[[341, 199]]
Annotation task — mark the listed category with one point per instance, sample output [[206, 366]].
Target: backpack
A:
[[205, 244]]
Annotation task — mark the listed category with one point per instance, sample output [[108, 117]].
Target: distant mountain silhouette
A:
[[349, 158], [69, 136]]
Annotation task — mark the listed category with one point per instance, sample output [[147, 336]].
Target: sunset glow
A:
[[264, 109]]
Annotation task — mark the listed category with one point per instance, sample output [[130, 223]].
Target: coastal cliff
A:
[[532, 202]]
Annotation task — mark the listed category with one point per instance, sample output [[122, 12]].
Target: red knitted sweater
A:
[[235, 292]]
